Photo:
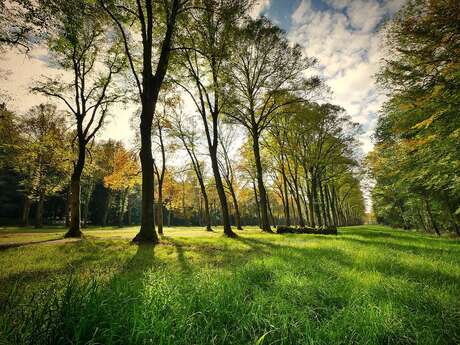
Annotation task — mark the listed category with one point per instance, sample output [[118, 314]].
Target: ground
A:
[[368, 285]]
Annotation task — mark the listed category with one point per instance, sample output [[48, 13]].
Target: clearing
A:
[[368, 285]]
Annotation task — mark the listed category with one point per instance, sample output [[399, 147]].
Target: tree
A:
[[82, 46], [415, 162], [124, 177], [189, 138], [263, 68], [156, 22], [226, 139], [42, 157], [204, 46]]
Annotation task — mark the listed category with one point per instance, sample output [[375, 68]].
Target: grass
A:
[[368, 285]]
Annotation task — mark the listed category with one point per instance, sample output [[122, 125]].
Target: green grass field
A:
[[368, 285]]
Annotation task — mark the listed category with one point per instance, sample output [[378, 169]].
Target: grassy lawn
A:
[[368, 285]]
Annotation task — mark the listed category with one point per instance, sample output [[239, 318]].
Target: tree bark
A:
[[75, 192], [260, 184], [147, 231]]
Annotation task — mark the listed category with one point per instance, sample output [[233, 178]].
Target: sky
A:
[[342, 34]]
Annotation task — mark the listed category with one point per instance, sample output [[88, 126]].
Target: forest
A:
[[242, 208]]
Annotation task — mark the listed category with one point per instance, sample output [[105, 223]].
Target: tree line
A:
[[297, 161], [416, 160]]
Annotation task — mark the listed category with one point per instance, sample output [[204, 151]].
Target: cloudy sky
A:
[[342, 34]]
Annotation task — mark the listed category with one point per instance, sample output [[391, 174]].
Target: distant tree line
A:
[[296, 160]]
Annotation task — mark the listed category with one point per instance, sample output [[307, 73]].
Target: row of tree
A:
[[236, 71], [37, 164], [416, 160]]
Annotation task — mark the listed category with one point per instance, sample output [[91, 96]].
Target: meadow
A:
[[367, 285]]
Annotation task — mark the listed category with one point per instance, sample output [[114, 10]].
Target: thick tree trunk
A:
[[26, 211], [147, 231], [260, 184], [75, 192], [39, 213], [75, 214]]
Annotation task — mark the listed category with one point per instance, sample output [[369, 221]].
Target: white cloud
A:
[[344, 40]]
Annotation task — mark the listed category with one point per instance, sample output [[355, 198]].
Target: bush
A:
[[324, 230]]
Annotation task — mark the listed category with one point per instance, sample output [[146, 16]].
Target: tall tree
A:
[[189, 137], [264, 67], [41, 158], [82, 46], [415, 162], [205, 43], [226, 140], [156, 23], [124, 177]]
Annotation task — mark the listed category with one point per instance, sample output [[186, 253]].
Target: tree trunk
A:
[[221, 192], [39, 213], [235, 204], [75, 215], [26, 211], [204, 194], [310, 206], [430, 214], [314, 192], [286, 195], [328, 205], [256, 198], [323, 203], [147, 231], [260, 184], [206, 208], [159, 209], [270, 212]]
